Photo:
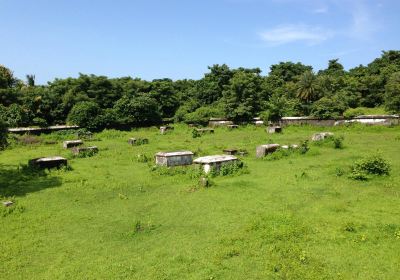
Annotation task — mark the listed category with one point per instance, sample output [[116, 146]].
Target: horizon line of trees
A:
[[289, 89]]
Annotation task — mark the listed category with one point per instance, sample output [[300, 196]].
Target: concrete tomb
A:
[[7, 203], [230, 151], [80, 150], [263, 150], [233, 126], [48, 162], [164, 129], [138, 141], [258, 121], [72, 143], [174, 158], [292, 146], [274, 129], [216, 161], [219, 122], [321, 136]]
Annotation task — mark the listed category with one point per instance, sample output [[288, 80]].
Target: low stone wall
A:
[[38, 130], [368, 120]]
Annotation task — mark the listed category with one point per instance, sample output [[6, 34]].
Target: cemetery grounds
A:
[[112, 216]]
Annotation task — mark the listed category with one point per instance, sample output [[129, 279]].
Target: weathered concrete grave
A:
[[232, 126], [213, 122], [230, 151], [321, 136], [7, 203], [205, 130], [72, 143], [274, 129], [138, 141], [164, 129], [258, 121], [48, 162], [80, 150], [263, 150], [214, 162], [174, 158], [292, 146]]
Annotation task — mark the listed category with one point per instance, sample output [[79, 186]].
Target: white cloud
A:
[[320, 10], [294, 33], [363, 25]]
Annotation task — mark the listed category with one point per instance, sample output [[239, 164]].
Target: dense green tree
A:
[[163, 91], [241, 96], [7, 79], [306, 86], [85, 114], [30, 80], [392, 93], [327, 108], [288, 71], [139, 110], [3, 134]]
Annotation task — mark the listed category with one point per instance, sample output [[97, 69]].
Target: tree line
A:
[[289, 89]]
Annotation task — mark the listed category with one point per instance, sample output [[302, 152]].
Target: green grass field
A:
[[112, 217]]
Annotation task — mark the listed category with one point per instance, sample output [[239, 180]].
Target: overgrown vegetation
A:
[[271, 220], [372, 165], [289, 89]]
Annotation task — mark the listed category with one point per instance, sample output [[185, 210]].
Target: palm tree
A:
[[306, 86], [30, 80]]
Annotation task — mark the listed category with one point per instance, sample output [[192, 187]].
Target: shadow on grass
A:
[[20, 180]]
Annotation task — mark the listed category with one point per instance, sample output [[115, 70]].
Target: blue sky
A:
[[179, 39]]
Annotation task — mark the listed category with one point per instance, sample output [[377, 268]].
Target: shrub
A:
[[3, 135], [228, 169], [84, 114], [354, 112], [327, 108], [304, 147], [203, 114], [195, 133], [86, 153], [143, 158], [373, 165], [337, 142], [138, 110], [39, 122]]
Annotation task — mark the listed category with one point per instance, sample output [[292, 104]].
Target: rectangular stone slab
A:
[[215, 161], [274, 129], [230, 151], [177, 158], [48, 162], [72, 143], [78, 150], [263, 150]]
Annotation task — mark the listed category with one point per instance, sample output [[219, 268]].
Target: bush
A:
[[373, 165], [195, 133], [228, 169], [337, 142], [304, 147], [327, 108], [143, 158], [141, 110], [39, 122], [3, 135], [84, 114], [354, 112], [203, 114]]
